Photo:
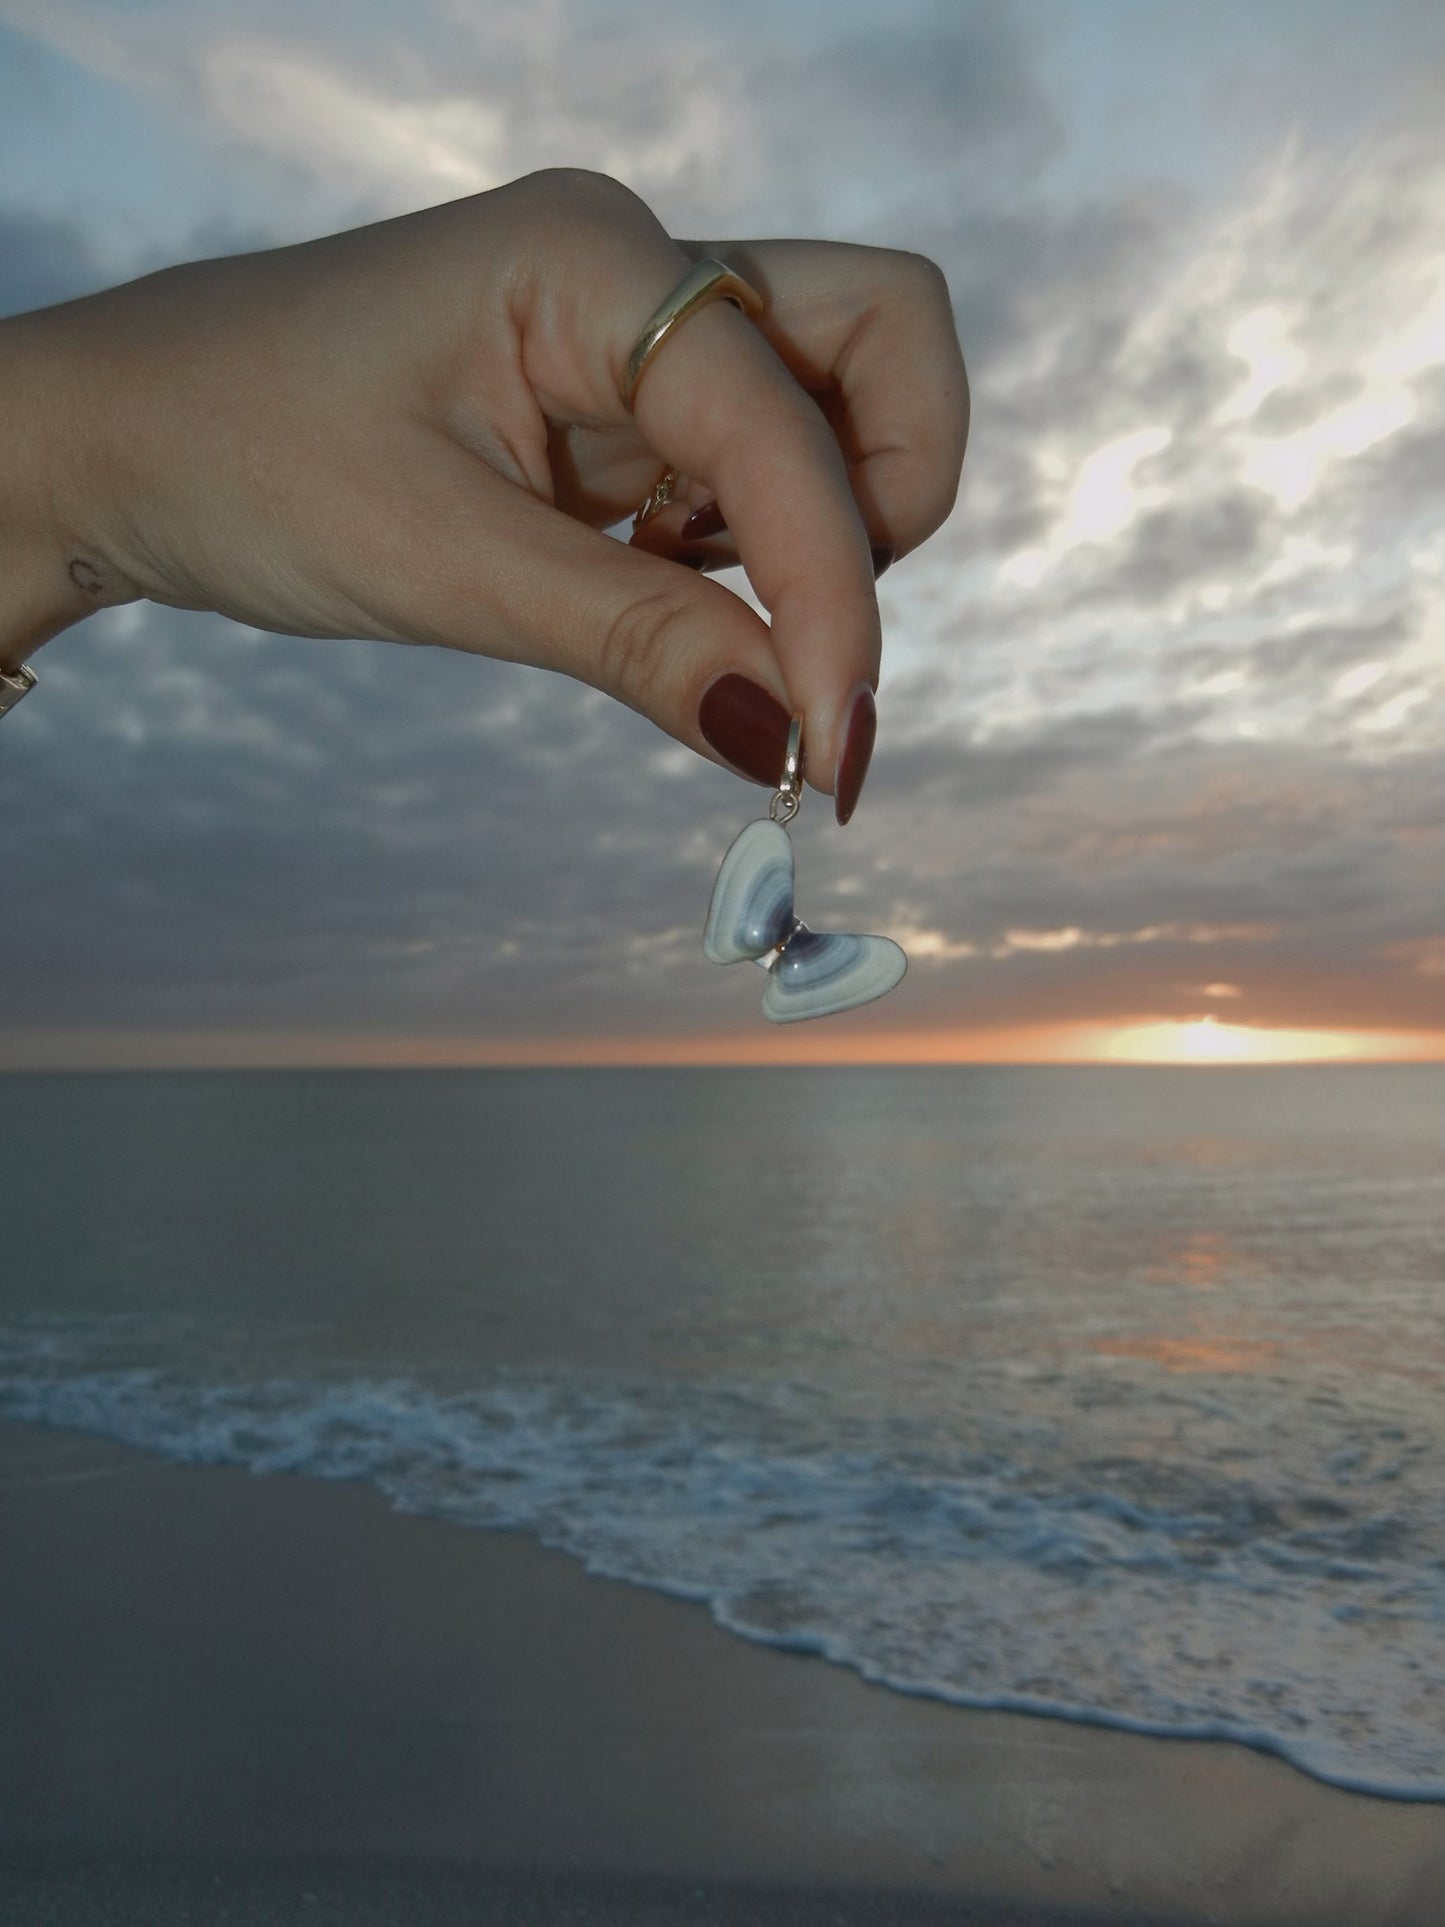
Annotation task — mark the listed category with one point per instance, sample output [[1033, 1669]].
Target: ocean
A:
[[1108, 1395]]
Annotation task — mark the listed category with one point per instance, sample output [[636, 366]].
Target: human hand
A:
[[412, 431]]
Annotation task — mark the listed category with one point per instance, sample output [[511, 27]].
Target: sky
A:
[[1159, 768]]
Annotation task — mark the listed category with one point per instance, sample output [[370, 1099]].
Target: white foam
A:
[[930, 1563]]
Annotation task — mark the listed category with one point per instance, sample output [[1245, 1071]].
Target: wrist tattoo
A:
[[85, 576]]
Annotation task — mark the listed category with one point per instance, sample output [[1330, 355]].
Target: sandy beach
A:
[[226, 1698]]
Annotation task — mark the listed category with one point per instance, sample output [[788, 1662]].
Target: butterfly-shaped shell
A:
[[818, 973]]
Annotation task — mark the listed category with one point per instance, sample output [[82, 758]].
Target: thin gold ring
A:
[[708, 281], [660, 497]]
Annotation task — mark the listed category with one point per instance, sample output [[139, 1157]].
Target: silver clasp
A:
[[15, 683], [788, 799]]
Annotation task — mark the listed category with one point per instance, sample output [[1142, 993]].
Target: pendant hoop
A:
[[789, 797]]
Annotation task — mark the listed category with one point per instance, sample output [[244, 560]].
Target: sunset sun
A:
[[1204, 1040]]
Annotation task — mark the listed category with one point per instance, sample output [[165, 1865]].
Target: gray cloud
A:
[[507, 857], [1403, 479], [1172, 546], [42, 261]]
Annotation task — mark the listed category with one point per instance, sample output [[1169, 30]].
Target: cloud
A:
[[1204, 466], [1173, 546], [42, 261], [511, 855], [703, 113]]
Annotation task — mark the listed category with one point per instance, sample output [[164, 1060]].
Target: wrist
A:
[[52, 571]]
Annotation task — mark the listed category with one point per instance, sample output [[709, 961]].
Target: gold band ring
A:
[[708, 281], [660, 497]]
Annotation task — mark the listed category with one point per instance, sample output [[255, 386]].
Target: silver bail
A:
[[788, 799], [15, 683]]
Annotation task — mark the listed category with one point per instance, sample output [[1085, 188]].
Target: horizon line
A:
[[1128, 1044]]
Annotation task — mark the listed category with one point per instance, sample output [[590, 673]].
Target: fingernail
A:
[[708, 520], [690, 558], [882, 553], [743, 723], [857, 751]]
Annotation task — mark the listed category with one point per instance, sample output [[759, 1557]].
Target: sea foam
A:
[[1307, 1619]]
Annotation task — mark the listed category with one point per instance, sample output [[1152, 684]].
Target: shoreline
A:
[[282, 1686]]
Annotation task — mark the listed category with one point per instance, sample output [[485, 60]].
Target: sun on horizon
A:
[[1205, 1040]]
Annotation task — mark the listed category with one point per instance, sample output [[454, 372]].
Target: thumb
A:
[[678, 648]]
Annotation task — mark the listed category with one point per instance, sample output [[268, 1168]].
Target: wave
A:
[[1302, 1624]]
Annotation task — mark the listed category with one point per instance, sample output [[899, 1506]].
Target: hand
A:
[[412, 431]]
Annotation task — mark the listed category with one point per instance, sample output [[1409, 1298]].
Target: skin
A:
[[412, 431]]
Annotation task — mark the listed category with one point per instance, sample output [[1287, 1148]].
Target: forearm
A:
[[52, 573]]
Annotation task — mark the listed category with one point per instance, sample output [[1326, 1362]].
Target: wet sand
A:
[[232, 1699]]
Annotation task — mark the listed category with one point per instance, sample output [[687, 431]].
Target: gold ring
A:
[[708, 281], [660, 497]]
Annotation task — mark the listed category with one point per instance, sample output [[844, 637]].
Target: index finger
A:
[[719, 405]]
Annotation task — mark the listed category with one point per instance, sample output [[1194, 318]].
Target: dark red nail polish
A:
[[857, 752], [689, 558], [708, 520], [743, 723], [883, 554]]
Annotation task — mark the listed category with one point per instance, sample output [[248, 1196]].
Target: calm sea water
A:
[[1116, 1395]]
